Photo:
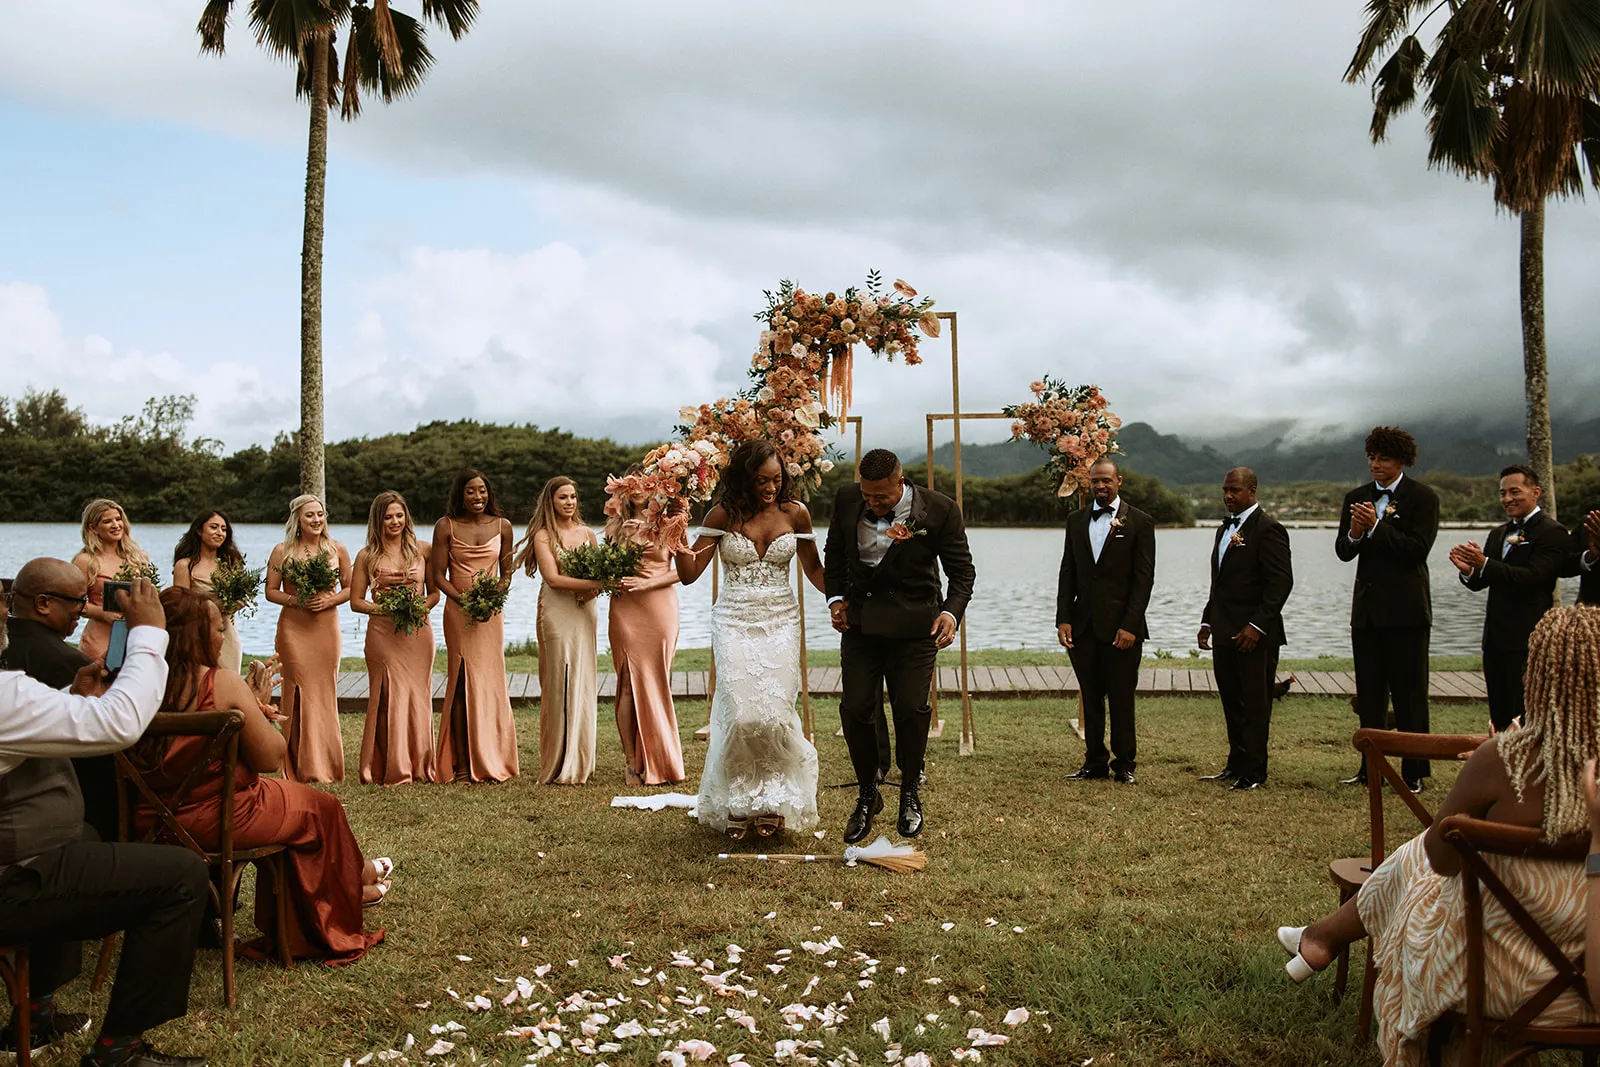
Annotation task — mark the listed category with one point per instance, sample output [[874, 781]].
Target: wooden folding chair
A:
[[1474, 839], [14, 972], [223, 728], [1377, 748]]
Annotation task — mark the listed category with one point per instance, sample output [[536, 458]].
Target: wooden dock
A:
[[1446, 687]]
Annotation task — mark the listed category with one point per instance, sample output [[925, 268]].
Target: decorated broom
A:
[[902, 859]]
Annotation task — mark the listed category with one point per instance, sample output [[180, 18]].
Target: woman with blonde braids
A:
[[1412, 905]]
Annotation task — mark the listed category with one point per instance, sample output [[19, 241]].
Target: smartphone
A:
[[109, 591], [117, 649]]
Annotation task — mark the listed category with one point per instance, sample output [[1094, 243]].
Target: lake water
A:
[[1013, 607]]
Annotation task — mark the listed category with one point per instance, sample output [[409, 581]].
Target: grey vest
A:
[[40, 809]]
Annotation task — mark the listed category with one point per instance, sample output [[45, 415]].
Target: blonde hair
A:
[[544, 520], [410, 551], [291, 529], [1561, 696], [93, 546]]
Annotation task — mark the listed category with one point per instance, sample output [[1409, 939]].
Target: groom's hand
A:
[[944, 630], [839, 612]]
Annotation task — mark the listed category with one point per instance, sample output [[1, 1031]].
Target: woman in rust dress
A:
[[308, 645], [397, 745], [477, 738], [644, 638], [328, 881], [108, 546]]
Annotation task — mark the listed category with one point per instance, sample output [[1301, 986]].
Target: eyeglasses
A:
[[81, 601]]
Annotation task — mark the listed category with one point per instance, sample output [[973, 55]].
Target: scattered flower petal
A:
[[1017, 1016]]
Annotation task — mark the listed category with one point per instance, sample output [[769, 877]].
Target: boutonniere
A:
[[1514, 540], [1236, 541], [904, 531], [1391, 512], [1117, 523]]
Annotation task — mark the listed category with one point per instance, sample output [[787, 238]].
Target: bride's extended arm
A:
[[806, 549], [692, 562]]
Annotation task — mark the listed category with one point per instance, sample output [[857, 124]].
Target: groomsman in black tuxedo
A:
[[1585, 559], [1107, 571], [1518, 565], [1251, 578], [1388, 527]]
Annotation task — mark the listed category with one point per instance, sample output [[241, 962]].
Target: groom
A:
[[886, 543]]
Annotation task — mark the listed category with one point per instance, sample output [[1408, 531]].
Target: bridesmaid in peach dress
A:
[[644, 638], [568, 690], [477, 738], [108, 546], [397, 745], [308, 645], [208, 545]]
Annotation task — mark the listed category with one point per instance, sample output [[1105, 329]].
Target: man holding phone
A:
[[59, 888]]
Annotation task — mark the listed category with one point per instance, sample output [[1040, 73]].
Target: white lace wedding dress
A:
[[759, 761]]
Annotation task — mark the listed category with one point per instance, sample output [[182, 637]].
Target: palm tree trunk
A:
[[1535, 368], [312, 478]]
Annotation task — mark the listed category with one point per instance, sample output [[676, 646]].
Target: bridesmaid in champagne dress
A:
[[644, 638], [397, 745], [568, 693], [308, 645], [477, 737], [208, 544], [108, 546]]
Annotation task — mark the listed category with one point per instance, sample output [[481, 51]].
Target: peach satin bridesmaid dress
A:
[[568, 690], [96, 634], [479, 739], [397, 745], [308, 645], [644, 637]]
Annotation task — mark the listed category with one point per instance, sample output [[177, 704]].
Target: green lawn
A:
[[1134, 923]]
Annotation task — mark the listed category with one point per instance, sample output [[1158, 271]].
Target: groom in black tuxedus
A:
[[1388, 525], [1107, 571], [1251, 578], [887, 541], [1584, 560], [1518, 564]]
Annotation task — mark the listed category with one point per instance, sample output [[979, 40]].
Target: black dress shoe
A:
[[1416, 785], [910, 822], [1359, 778], [1125, 777], [1244, 784], [1225, 777], [1087, 773], [145, 1056], [859, 824], [62, 1024]]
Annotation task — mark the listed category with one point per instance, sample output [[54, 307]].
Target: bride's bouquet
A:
[[309, 575], [235, 588], [405, 606], [484, 598], [607, 563]]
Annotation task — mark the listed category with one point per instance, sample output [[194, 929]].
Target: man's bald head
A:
[[46, 575], [48, 591]]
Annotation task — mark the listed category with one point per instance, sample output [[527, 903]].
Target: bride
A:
[[761, 772]]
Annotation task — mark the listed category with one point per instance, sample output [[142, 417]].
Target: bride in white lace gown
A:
[[761, 772]]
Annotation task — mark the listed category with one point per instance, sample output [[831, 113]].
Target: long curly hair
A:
[[189, 651], [738, 497], [189, 546], [544, 518], [1560, 731]]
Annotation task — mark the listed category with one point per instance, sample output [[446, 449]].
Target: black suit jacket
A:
[[1588, 580], [1253, 582], [1112, 594], [41, 653], [1392, 572], [902, 596], [1523, 585]]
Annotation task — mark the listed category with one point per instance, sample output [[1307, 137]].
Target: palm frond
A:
[[1557, 44], [350, 107], [1535, 157], [302, 87], [415, 59], [1394, 87], [282, 27], [213, 26], [455, 15], [383, 34], [1463, 120], [1591, 141], [1387, 19]]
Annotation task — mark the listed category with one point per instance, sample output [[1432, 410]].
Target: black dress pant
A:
[[869, 663], [1392, 665], [1502, 677], [153, 894], [1244, 682], [1107, 675]]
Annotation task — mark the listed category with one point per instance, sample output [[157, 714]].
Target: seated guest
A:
[[59, 887], [46, 603], [328, 880], [1412, 905]]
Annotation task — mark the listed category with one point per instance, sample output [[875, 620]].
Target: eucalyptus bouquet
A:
[[235, 588], [309, 575], [406, 606], [484, 598], [133, 570], [607, 563]]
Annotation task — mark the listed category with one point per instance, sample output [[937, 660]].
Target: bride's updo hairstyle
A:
[[738, 497]]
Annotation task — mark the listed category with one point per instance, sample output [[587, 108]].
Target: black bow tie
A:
[[1517, 525], [1099, 511], [1379, 490], [868, 515], [1230, 522]]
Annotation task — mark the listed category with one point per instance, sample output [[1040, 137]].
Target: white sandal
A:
[[384, 866], [1289, 937]]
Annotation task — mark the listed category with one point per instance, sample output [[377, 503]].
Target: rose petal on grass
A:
[[631, 1028], [541, 970], [440, 1047], [918, 1059], [981, 1038], [947, 927], [464, 959], [1017, 1016]]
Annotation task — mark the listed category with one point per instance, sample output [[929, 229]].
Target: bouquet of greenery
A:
[[607, 563], [406, 606], [133, 570], [484, 598], [235, 588], [310, 575]]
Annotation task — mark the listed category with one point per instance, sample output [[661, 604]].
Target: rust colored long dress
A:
[[644, 637], [308, 645], [397, 745], [325, 863], [478, 740], [96, 634]]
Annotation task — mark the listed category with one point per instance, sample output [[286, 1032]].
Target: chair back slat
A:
[[1378, 748]]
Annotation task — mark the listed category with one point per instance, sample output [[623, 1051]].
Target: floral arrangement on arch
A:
[[801, 362], [1072, 425]]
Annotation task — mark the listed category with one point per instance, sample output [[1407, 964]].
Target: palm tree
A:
[[1513, 98], [386, 52]]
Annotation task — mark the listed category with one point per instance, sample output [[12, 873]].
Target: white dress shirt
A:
[[1385, 495], [1505, 548], [872, 538], [36, 720], [1100, 527], [1238, 524]]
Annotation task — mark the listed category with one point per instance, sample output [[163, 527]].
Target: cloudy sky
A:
[[572, 223]]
